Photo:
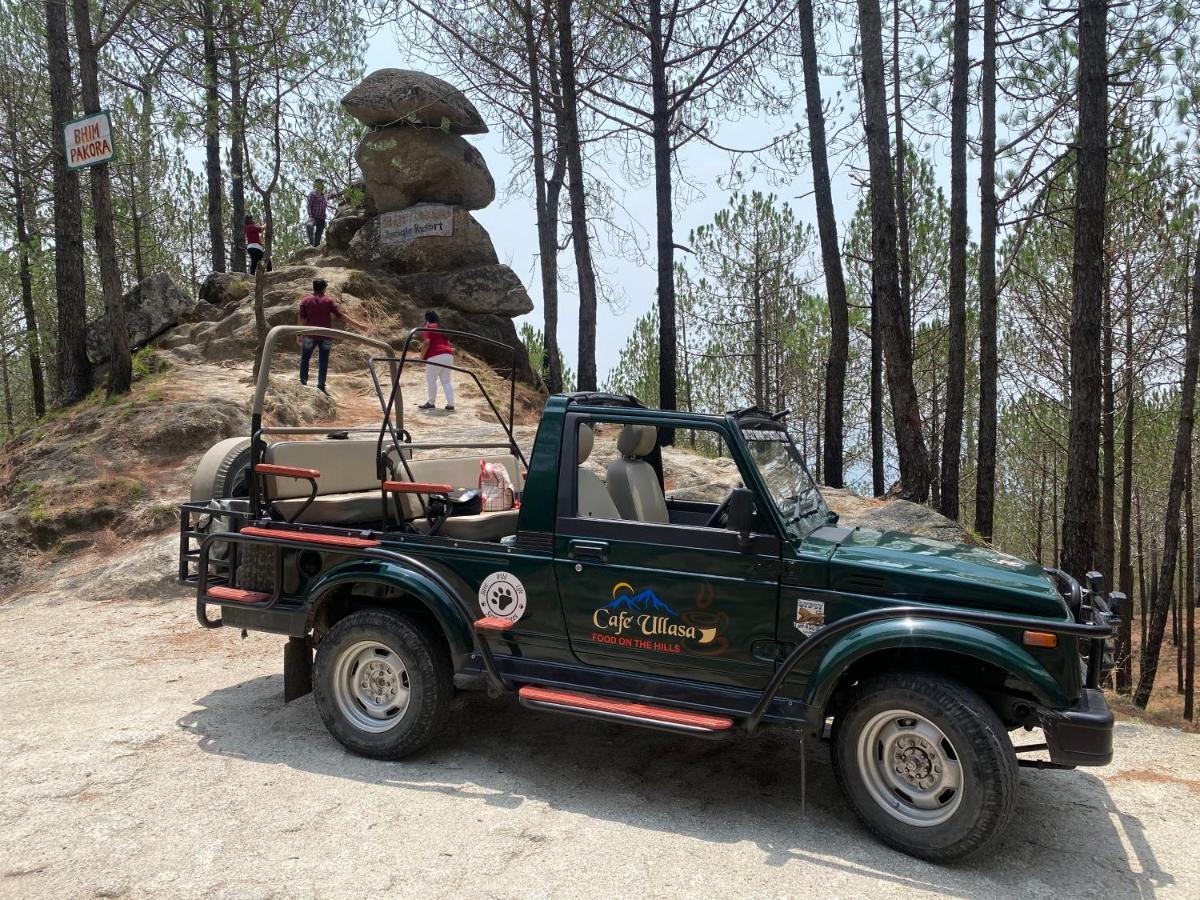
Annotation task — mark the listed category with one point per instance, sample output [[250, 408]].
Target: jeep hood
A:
[[910, 567]]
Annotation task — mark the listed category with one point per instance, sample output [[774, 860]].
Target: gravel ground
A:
[[142, 756]]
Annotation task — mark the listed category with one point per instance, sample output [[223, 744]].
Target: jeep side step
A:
[[236, 595], [492, 625], [591, 706]]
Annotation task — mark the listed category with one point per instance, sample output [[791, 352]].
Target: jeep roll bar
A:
[[268, 351]]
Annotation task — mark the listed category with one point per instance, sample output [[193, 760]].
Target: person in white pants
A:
[[438, 354]]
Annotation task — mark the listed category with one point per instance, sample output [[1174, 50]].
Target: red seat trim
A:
[[310, 537], [626, 708], [493, 623], [286, 471], [416, 487], [237, 595]]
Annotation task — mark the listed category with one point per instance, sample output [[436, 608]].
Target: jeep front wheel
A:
[[381, 684], [926, 765]]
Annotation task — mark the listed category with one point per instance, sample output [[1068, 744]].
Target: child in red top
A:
[[438, 353]]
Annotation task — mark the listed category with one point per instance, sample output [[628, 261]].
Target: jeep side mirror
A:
[[1118, 605], [741, 515]]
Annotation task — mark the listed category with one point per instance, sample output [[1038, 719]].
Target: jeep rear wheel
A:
[[382, 684], [926, 765]]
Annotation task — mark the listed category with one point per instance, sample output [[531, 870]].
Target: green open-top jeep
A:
[[625, 599]]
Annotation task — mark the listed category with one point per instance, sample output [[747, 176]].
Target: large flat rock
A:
[[404, 166], [390, 96], [152, 307], [484, 290], [401, 244]]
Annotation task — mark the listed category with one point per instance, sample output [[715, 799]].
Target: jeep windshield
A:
[[782, 467]]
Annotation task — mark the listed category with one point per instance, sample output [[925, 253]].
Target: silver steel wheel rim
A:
[[910, 768], [371, 686]]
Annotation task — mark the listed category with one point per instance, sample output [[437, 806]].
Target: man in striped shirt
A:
[[316, 206]]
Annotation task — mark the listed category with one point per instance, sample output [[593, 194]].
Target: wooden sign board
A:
[[423, 220], [88, 141]]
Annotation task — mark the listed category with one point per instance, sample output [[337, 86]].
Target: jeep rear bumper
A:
[[1082, 734]]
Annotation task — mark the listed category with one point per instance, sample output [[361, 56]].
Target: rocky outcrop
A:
[[151, 308], [467, 245], [342, 229], [403, 166], [408, 219], [483, 290], [389, 96]]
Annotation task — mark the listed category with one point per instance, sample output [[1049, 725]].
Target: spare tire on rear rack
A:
[[223, 480], [224, 471]]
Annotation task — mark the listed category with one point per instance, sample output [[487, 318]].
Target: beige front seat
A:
[[594, 499], [632, 481]]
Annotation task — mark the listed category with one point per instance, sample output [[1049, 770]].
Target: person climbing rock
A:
[[318, 309], [438, 354], [254, 245], [317, 209]]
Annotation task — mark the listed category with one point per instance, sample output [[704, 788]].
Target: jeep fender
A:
[[914, 634], [416, 579]]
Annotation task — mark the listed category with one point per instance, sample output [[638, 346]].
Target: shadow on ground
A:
[[1068, 837]]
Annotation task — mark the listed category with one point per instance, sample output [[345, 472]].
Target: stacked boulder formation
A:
[[410, 216]]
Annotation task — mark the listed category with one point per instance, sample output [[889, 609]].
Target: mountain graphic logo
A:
[[645, 600]]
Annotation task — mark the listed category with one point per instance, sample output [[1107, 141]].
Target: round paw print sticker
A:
[[502, 596]]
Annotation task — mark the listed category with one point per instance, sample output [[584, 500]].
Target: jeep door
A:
[[672, 598]]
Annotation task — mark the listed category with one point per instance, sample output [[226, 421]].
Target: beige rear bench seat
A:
[[348, 491]]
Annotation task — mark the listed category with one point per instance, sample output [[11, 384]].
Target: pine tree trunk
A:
[[237, 165], [1039, 547], [547, 227], [878, 488], [1177, 616], [831, 254], [9, 422], [756, 313], [985, 467], [33, 347], [1179, 463], [578, 196], [903, 232], [956, 357], [906, 412], [663, 210], [73, 368], [1108, 440], [1189, 599], [1125, 568], [120, 366], [135, 222], [212, 136], [1081, 501]]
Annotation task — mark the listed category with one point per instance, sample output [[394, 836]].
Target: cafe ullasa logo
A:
[[642, 613]]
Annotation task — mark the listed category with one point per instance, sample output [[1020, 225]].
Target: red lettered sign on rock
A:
[[88, 141]]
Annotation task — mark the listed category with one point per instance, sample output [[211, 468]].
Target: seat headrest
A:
[[584, 443], [637, 440]]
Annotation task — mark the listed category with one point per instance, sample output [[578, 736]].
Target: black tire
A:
[[424, 669], [979, 756]]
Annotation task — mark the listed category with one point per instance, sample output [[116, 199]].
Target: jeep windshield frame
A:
[[772, 450]]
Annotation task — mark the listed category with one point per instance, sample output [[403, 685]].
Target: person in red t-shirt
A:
[[438, 353], [318, 309], [254, 245]]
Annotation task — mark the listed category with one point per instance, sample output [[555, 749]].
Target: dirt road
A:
[[143, 757]]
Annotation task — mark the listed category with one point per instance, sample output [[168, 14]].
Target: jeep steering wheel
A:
[[720, 514]]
